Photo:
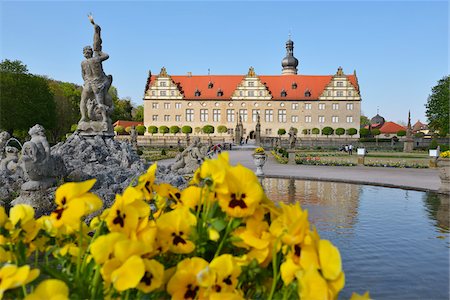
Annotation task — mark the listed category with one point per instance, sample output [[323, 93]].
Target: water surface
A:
[[393, 242]]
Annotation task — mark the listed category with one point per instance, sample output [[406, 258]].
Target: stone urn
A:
[[259, 159], [444, 174]]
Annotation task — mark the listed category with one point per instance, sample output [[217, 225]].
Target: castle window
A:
[[339, 93], [197, 93], [294, 85], [251, 93], [307, 93], [219, 93], [162, 83], [339, 83], [162, 93], [283, 93], [251, 83], [295, 106], [210, 85]]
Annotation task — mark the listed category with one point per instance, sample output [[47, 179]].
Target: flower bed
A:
[[220, 238], [316, 161], [395, 165], [279, 158]]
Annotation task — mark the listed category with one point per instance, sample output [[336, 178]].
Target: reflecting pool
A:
[[393, 242]]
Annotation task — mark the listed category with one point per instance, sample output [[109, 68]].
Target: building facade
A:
[[282, 101]]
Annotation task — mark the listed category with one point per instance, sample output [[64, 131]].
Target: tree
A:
[[376, 132], [186, 129], [122, 110], [364, 121], [352, 131], [15, 66], [340, 131], [438, 107], [152, 129], [364, 132], [140, 129], [222, 129], [208, 129], [119, 129], [138, 113], [163, 129], [401, 133], [315, 131], [327, 131], [281, 131], [305, 131], [174, 129], [25, 99], [419, 134]]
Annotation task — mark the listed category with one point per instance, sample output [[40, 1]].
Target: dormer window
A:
[[307, 93], [294, 85], [210, 85], [283, 93], [197, 93], [219, 93]]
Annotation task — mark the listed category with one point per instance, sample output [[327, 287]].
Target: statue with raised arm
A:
[[96, 104]]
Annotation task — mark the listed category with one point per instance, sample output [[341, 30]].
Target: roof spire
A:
[[289, 63]]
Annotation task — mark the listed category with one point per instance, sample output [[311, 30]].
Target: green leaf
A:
[[219, 224]]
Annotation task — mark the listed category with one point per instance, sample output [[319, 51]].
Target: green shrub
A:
[[222, 129], [340, 131], [208, 129], [119, 129], [364, 132], [163, 129], [315, 131], [281, 131], [375, 132], [186, 129], [152, 129], [327, 131], [128, 129], [73, 127], [163, 152], [352, 131], [401, 133], [433, 144], [174, 129], [140, 129]]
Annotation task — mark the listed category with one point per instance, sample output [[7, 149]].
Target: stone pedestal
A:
[[95, 128], [361, 160], [291, 157], [361, 156], [259, 160], [444, 174], [408, 145], [40, 200]]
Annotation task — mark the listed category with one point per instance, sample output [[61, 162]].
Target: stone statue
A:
[[96, 104], [258, 131], [39, 165], [10, 162], [190, 159], [133, 138], [4, 137], [292, 137]]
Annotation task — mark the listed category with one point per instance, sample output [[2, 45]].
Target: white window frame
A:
[[166, 118], [321, 119], [321, 106], [166, 105], [335, 106], [177, 118], [294, 119], [349, 119], [155, 118], [244, 114], [189, 115], [334, 119], [295, 106], [268, 115], [216, 115], [349, 106], [203, 115], [308, 106], [155, 105], [230, 115], [340, 94], [282, 116], [255, 113], [178, 105], [308, 119]]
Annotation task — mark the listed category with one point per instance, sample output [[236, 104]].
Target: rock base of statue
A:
[[41, 200], [94, 128], [259, 160], [444, 174], [408, 145]]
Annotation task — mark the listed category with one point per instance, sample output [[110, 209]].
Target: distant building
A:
[[387, 129], [126, 124], [420, 127], [282, 101]]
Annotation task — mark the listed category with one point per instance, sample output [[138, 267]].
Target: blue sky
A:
[[399, 49]]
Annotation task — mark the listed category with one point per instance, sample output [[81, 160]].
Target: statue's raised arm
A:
[[97, 47]]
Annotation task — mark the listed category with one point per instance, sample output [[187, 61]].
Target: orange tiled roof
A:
[[391, 127], [126, 124], [275, 84]]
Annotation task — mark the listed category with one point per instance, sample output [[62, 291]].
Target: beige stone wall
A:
[[160, 112]]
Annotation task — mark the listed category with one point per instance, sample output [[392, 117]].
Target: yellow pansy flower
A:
[[312, 285], [193, 196], [174, 229], [146, 182], [153, 277], [183, 284], [330, 260], [103, 247], [123, 215], [244, 192], [292, 225], [74, 201], [12, 277], [129, 274], [24, 214], [288, 269], [51, 289], [227, 272], [215, 170], [356, 296]]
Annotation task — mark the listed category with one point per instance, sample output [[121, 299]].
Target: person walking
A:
[[346, 148], [350, 149]]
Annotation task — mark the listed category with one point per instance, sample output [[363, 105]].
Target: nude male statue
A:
[[96, 82]]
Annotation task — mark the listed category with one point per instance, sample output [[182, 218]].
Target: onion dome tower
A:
[[289, 63]]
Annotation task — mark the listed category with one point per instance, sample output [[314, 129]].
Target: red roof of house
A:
[[315, 84], [419, 126], [391, 127], [126, 124]]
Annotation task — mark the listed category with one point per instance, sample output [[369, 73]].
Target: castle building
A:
[[282, 101]]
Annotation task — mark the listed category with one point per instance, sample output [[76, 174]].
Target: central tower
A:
[[289, 63]]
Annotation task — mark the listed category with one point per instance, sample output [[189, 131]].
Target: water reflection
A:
[[437, 206], [333, 206], [394, 243]]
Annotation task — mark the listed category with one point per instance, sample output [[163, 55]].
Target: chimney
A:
[[189, 74]]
